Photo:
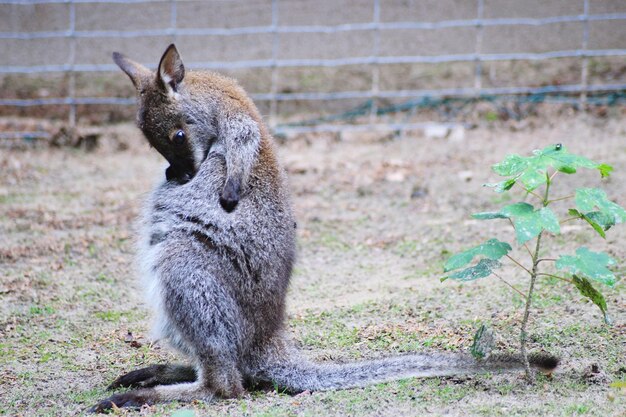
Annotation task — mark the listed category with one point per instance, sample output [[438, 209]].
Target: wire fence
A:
[[379, 34]]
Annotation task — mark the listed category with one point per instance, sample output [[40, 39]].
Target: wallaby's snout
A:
[[230, 195]]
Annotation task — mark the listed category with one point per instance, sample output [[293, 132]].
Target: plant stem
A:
[[518, 264], [546, 260], [543, 274], [529, 191], [552, 176], [529, 297], [510, 285], [533, 277], [567, 197]]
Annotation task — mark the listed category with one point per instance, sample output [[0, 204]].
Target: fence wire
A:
[[375, 59]]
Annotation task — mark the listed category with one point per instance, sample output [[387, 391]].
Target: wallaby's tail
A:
[[297, 374]]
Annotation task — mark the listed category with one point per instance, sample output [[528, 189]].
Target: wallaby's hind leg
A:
[[185, 392], [155, 375], [219, 377], [223, 377]]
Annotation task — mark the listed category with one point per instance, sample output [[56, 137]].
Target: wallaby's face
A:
[[162, 117], [184, 121]]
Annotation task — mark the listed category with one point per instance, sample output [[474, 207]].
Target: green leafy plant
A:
[[535, 177]]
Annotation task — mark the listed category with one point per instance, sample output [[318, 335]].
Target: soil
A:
[[377, 217]]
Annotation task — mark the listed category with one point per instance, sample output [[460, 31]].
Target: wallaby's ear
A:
[[138, 73], [171, 70]]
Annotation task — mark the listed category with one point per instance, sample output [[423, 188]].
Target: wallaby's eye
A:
[[179, 137]]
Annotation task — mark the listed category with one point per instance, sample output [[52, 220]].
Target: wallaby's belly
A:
[[229, 272]]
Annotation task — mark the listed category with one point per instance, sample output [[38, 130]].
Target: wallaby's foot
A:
[[155, 375], [226, 381], [133, 399], [234, 389], [185, 392]]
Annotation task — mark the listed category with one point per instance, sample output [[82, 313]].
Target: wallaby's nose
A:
[[230, 195], [227, 204]]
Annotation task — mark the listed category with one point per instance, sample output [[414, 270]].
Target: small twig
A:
[[554, 276], [552, 176], [546, 259], [528, 249], [519, 264], [510, 285], [567, 197], [569, 220], [529, 191]]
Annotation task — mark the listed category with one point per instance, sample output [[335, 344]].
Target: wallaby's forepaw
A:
[[128, 399]]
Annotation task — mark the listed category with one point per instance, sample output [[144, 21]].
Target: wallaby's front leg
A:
[[155, 375]]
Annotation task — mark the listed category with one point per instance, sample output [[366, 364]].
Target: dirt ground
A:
[[377, 217]]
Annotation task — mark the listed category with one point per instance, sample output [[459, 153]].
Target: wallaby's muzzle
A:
[[230, 195]]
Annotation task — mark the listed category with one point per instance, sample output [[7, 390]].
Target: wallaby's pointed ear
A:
[[171, 70], [137, 72]]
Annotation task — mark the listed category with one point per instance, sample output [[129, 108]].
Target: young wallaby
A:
[[217, 251]]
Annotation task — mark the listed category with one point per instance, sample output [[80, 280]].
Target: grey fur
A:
[[217, 278]]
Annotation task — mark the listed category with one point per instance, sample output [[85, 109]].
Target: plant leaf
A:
[[500, 187], [587, 199], [605, 170], [531, 171], [483, 344], [604, 220], [596, 219], [489, 215], [491, 249], [527, 221], [513, 164], [482, 269], [586, 289], [588, 264]]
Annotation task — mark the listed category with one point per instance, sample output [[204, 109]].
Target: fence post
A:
[[478, 67], [173, 17], [274, 76], [584, 76], [375, 66], [72, 63]]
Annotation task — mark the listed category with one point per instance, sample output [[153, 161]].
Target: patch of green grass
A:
[[41, 310], [103, 277], [406, 248], [16, 198], [325, 330], [578, 409], [332, 241], [87, 397], [109, 315]]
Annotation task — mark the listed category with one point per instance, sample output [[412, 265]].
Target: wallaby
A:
[[217, 250]]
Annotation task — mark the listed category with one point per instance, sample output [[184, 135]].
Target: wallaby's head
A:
[[186, 117]]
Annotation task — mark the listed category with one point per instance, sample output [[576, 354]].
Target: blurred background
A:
[[316, 65]]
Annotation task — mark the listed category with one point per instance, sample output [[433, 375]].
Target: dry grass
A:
[[366, 283]]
